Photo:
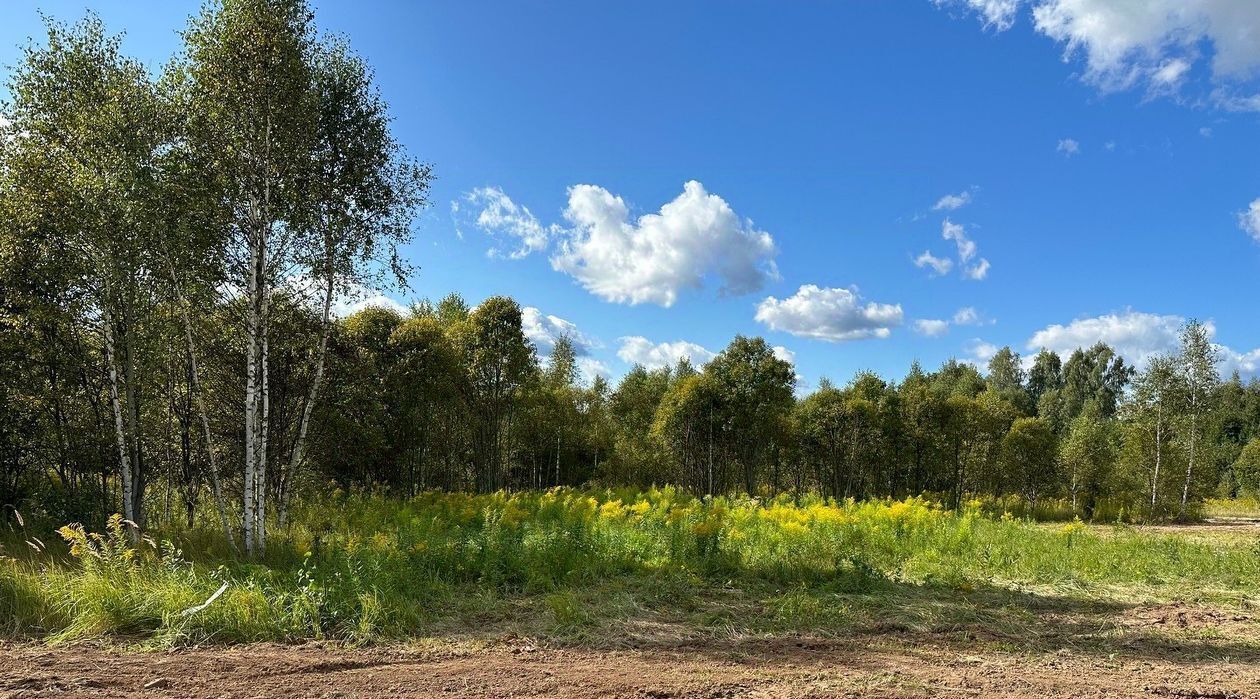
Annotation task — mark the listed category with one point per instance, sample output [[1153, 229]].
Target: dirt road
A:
[[867, 666]]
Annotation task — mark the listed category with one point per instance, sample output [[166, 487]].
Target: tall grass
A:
[[361, 567]]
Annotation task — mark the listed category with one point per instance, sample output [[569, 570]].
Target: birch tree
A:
[[1200, 377], [88, 125], [247, 75], [1154, 409], [359, 203]]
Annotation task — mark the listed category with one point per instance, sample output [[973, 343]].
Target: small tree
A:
[[1198, 369], [1029, 453], [1089, 455]]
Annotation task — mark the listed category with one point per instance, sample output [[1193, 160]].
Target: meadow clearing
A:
[[748, 594]]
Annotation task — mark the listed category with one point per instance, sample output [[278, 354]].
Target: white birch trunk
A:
[[1185, 490], [124, 464], [251, 389], [1159, 454], [260, 488]]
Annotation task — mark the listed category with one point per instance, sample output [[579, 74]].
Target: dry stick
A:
[[193, 610], [215, 490]]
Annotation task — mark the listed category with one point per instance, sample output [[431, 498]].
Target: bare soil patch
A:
[[882, 664]]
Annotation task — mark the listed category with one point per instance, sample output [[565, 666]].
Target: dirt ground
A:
[[887, 664]]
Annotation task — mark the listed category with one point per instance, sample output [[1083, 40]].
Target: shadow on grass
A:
[[761, 620]]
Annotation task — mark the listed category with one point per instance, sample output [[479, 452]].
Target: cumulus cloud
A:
[[652, 258], [950, 202], [980, 352], [1137, 337], [930, 327], [543, 330], [1245, 363], [940, 265], [348, 299], [1068, 147], [494, 213], [590, 367], [1249, 220], [351, 303], [654, 355], [785, 354], [1205, 131], [1153, 44], [831, 314]]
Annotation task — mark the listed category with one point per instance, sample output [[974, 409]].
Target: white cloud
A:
[[829, 314], [966, 252], [349, 305], [978, 271], [1155, 44], [348, 299], [1137, 337], [955, 232], [1110, 146], [1170, 73], [1205, 131], [494, 212], [931, 327], [1232, 102], [980, 352], [640, 350], [1245, 363], [785, 354], [1249, 220], [997, 14], [967, 315], [950, 202], [590, 367], [543, 330], [940, 265], [652, 258], [1068, 147]]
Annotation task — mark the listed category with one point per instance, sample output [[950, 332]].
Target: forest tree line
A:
[[172, 248], [452, 398]]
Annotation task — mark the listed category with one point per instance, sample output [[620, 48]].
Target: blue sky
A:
[[1102, 163]]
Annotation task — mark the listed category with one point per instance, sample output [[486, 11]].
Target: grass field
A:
[[591, 566]]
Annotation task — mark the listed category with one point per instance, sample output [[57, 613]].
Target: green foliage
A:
[[391, 568], [1247, 468]]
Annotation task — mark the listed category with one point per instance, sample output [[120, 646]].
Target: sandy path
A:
[[867, 666]]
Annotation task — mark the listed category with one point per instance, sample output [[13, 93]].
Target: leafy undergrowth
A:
[[605, 566]]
